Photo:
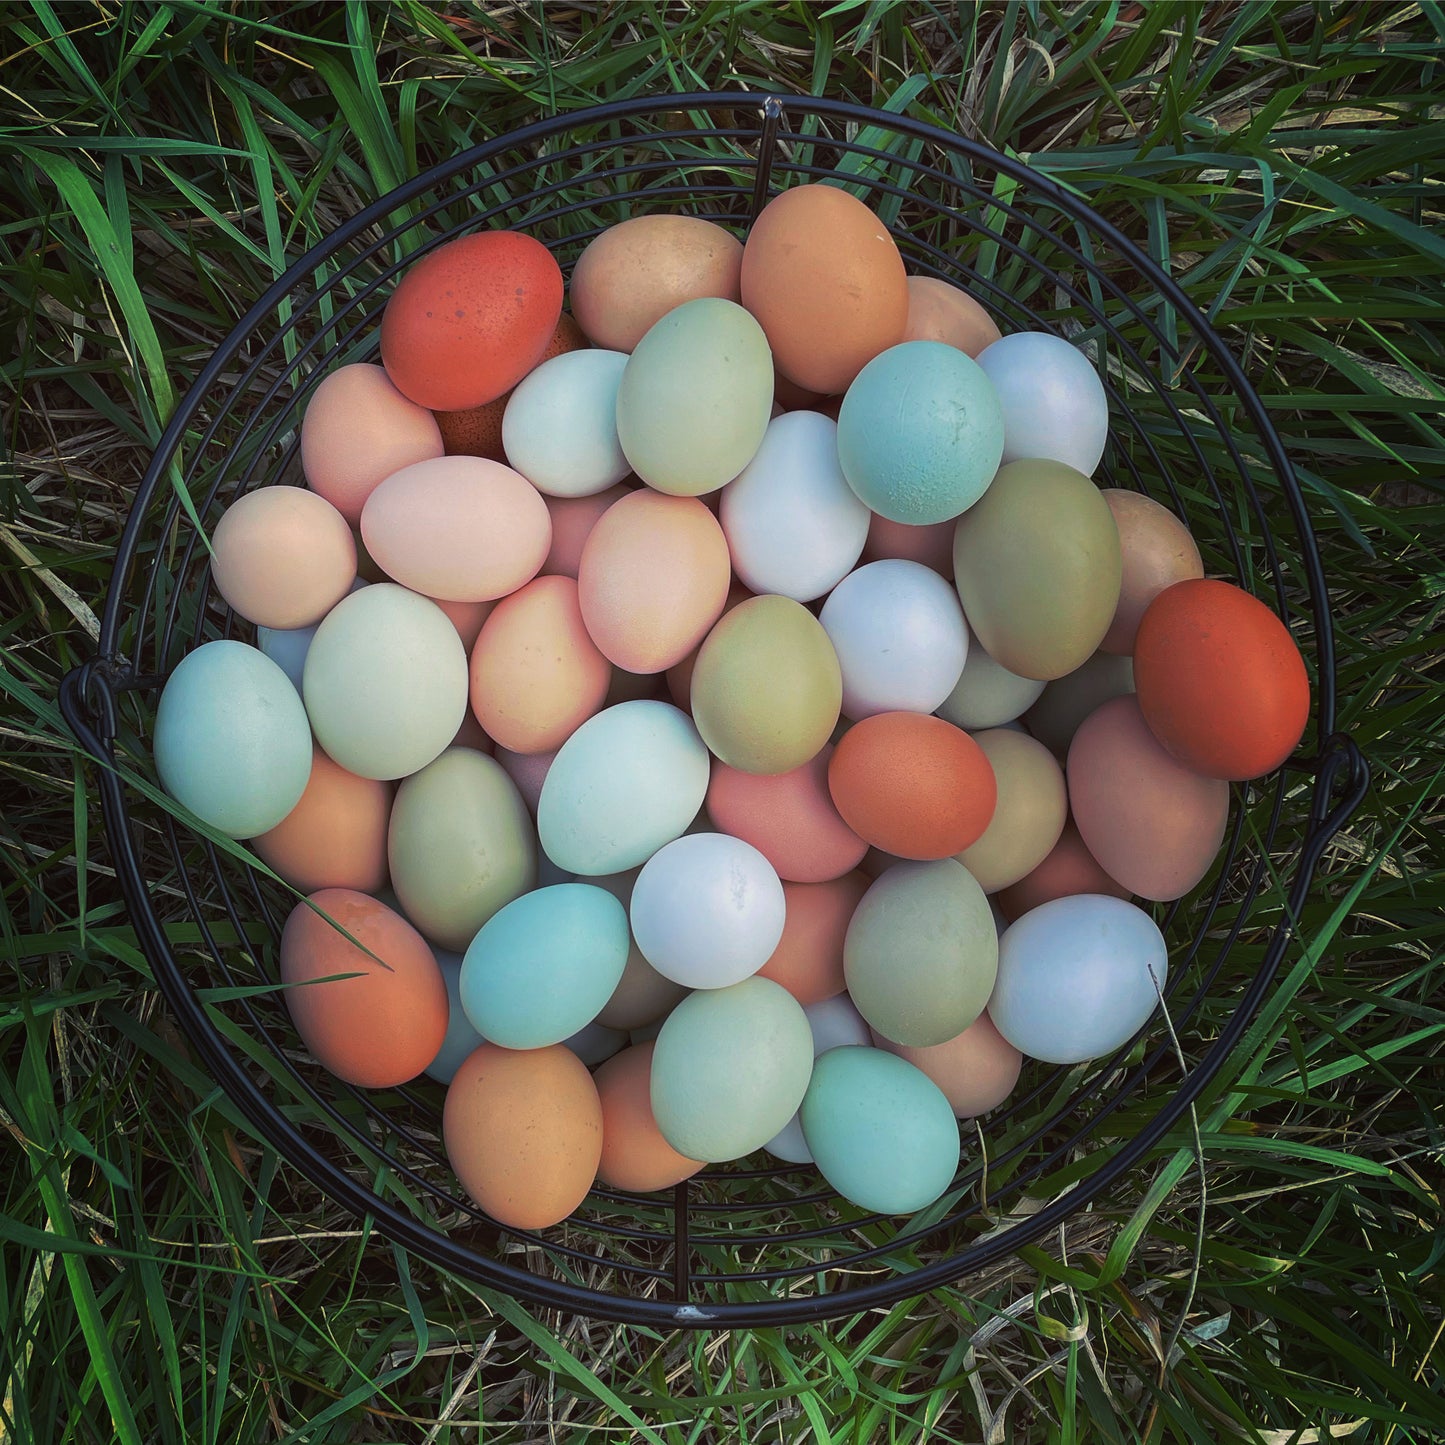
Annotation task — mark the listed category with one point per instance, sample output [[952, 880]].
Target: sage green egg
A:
[[460, 846], [1037, 565], [695, 398], [767, 688], [882, 1135], [921, 953], [730, 1067], [1056, 714]]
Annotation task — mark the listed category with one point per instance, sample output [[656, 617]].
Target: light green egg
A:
[[231, 742], [696, 397], [460, 845], [921, 952], [730, 1067], [630, 779], [881, 1132]]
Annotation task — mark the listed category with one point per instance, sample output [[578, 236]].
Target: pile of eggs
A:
[[725, 718]]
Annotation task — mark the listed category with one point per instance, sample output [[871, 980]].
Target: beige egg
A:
[[976, 1070], [1157, 552], [938, 311], [1033, 804]]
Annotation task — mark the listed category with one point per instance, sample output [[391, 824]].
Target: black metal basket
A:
[[735, 1245]]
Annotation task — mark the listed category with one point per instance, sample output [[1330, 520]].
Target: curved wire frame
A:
[[736, 1245]]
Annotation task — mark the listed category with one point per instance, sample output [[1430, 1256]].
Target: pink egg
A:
[[976, 1070], [528, 771], [933, 545], [461, 528], [572, 521], [467, 618]]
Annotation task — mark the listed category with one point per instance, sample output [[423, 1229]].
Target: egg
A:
[[1078, 978], [652, 580], [1070, 868], [542, 966], [573, 519], [1064, 703], [1156, 550], [385, 682], [632, 274], [1029, 816], [635, 1156], [679, 675], [384, 1023], [642, 995], [460, 846], [826, 281], [921, 952], [899, 633], [944, 459], [808, 960], [1221, 681], [1037, 567], [1054, 405], [356, 431], [987, 694], [730, 1067], [461, 528], [527, 771], [282, 557], [536, 675], [595, 1043], [560, 426], [695, 397], [976, 1070], [335, 836], [467, 618], [913, 785], [939, 311], [834, 1022], [794, 527], [707, 910], [231, 740], [931, 545], [470, 319], [461, 1038], [523, 1130]]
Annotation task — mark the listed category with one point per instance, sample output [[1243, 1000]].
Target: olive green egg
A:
[[767, 688], [460, 845], [1037, 564], [921, 952]]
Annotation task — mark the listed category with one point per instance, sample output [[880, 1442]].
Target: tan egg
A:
[[358, 430], [635, 1156], [573, 519], [1069, 869], [938, 311], [653, 579], [523, 1130], [536, 675], [283, 557], [808, 960], [1157, 551], [635, 272], [642, 996], [1029, 816], [976, 1070], [384, 1023], [335, 837]]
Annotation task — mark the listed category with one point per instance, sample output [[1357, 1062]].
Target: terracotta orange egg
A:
[[1069, 869], [808, 960], [635, 1156], [913, 785], [523, 1130], [938, 311], [1221, 682]]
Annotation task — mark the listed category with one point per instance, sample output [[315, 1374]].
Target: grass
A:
[[166, 1279]]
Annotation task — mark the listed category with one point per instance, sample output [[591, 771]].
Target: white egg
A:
[[987, 694], [1054, 406], [560, 426], [707, 910], [793, 524], [899, 633], [1077, 978]]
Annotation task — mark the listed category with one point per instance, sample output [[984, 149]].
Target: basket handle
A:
[[87, 703]]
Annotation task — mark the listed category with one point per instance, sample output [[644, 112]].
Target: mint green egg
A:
[[881, 1132], [696, 397], [232, 742], [729, 1069], [542, 968]]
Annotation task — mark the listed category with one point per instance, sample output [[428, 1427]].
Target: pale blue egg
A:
[[920, 433], [560, 425], [881, 1132], [232, 742], [288, 646], [1054, 405], [462, 1039], [596, 1043], [544, 966]]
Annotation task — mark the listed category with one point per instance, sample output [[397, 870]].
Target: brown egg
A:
[[808, 960], [976, 1070], [938, 311], [1069, 869], [826, 283], [635, 1156], [335, 837], [1151, 823], [932, 545], [1032, 806], [573, 519], [383, 1025], [635, 272], [523, 1130], [1157, 551]]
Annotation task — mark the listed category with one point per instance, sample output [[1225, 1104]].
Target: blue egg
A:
[[543, 967], [920, 433], [232, 742], [881, 1131], [461, 1038]]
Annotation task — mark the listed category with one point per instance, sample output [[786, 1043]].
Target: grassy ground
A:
[[165, 1279]]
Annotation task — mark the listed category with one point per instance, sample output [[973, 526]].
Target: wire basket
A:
[[735, 1245]]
